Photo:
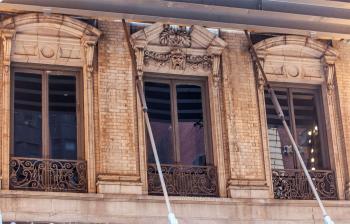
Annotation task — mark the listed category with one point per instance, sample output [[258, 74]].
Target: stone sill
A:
[[174, 199]]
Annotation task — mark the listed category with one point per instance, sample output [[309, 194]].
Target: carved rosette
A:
[[7, 36]]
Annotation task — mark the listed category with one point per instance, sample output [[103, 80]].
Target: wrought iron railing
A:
[[48, 175], [184, 180], [292, 184]]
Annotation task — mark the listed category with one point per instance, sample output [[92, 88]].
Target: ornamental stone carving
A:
[[290, 70], [329, 70], [47, 52], [169, 49], [175, 37], [178, 60]]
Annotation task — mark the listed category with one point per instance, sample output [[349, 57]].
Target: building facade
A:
[[74, 147]]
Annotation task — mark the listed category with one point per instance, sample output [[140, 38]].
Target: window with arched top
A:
[[301, 70], [47, 86]]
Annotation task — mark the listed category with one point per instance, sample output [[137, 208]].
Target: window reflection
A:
[[159, 109], [62, 117], [179, 105], [27, 115], [43, 101], [307, 129], [281, 152], [300, 109], [191, 124]]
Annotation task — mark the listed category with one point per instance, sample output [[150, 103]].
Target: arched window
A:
[[47, 90], [301, 71]]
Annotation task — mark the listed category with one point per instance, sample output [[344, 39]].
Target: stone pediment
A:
[[297, 59], [177, 50], [49, 39], [295, 46], [163, 35]]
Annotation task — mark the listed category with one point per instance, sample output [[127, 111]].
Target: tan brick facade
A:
[[117, 126], [116, 154], [242, 115]]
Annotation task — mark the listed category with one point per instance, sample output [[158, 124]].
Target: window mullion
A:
[[292, 122], [175, 122], [206, 125], [45, 114]]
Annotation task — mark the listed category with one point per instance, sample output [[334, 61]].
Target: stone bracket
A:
[[329, 69], [7, 36]]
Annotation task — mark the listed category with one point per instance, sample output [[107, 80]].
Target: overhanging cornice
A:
[[293, 17]]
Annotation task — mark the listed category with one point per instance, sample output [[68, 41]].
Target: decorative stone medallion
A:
[[290, 70], [47, 52]]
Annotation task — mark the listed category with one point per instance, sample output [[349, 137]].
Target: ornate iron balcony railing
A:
[[184, 180], [292, 184], [48, 175]]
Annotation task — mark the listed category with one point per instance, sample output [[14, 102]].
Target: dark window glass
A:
[[62, 117], [300, 109], [190, 124], [177, 105], [27, 115], [281, 152], [307, 130], [158, 101]]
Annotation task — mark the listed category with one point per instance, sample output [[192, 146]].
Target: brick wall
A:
[[117, 150], [241, 111], [343, 95]]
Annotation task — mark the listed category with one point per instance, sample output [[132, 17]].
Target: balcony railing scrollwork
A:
[[292, 184], [48, 175], [184, 180]]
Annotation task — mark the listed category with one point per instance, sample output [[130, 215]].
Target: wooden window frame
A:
[[44, 73], [320, 113], [173, 81]]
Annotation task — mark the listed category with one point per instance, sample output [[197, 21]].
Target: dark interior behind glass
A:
[[62, 117]]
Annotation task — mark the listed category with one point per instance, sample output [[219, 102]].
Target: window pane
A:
[[191, 124], [308, 132], [281, 152], [62, 117], [27, 115], [159, 105]]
